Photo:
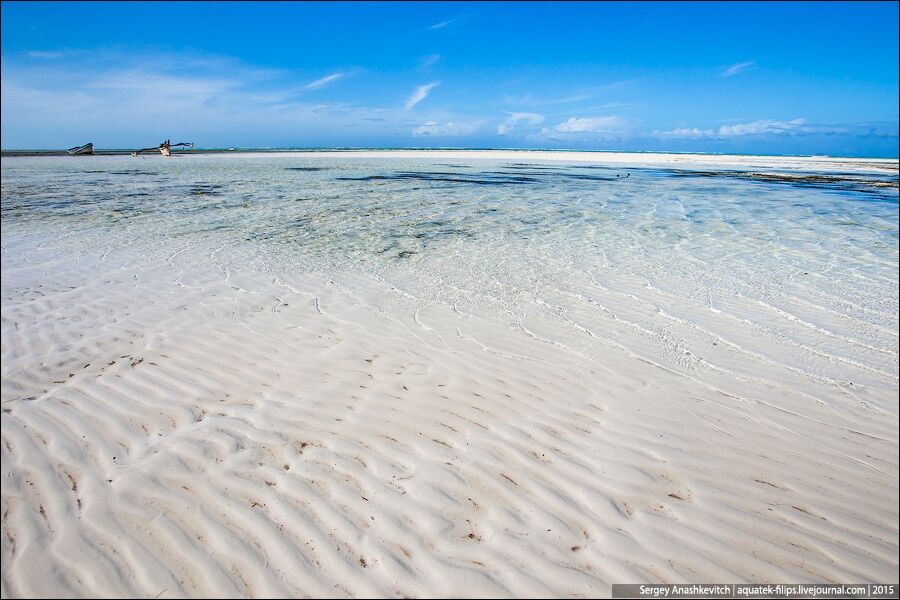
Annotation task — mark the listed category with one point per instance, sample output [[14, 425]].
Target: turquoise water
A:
[[803, 272]]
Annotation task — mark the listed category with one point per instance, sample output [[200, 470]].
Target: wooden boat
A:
[[79, 150], [165, 148]]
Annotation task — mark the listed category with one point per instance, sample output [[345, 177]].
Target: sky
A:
[[754, 78]]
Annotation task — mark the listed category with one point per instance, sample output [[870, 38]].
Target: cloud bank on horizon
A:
[[423, 76]]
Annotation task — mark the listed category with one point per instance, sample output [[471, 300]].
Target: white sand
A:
[[624, 159], [171, 428]]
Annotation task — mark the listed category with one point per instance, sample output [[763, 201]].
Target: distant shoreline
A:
[[787, 165], [442, 151]]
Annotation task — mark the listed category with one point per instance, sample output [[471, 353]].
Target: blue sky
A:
[[766, 78]]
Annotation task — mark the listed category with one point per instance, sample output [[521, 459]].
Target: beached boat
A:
[[165, 148], [78, 150]]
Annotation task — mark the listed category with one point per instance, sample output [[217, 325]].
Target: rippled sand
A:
[[452, 374]]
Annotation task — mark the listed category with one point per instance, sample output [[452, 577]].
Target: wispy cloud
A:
[[450, 128], [590, 125], [43, 54], [420, 94], [114, 101], [533, 100], [139, 82], [442, 24], [323, 81], [426, 62], [584, 130], [610, 105], [685, 132], [763, 126], [737, 68], [578, 95], [794, 127], [515, 118]]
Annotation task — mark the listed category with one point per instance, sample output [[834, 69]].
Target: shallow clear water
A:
[[698, 270]]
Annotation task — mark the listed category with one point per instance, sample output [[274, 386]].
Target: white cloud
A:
[[590, 125], [755, 128], [426, 62], [737, 68], [449, 128], [114, 101], [138, 82], [794, 127], [443, 24], [420, 94], [519, 117], [42, 54], [323, 81], [573, 96], [686, 132]]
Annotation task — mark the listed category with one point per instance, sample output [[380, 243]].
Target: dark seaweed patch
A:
[[514, 174], [445, 177], [206, 189], [558, 175], [878, 186], [593, 167], [533, 167], [429, 173], [123, 172], [557, 167]]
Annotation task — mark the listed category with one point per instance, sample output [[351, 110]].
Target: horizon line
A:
[[11, 152]]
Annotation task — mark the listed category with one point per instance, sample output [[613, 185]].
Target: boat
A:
[[165, 148], [79, 150]]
